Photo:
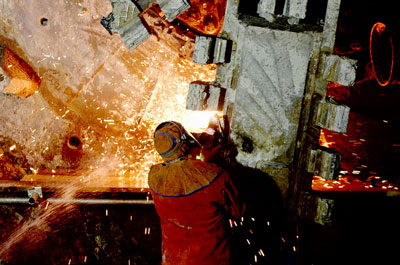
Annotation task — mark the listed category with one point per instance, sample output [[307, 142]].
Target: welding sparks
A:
[[147, 231]]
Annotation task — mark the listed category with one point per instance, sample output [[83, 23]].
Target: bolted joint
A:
[[203, 96], [324, 162], [331, 115], [173, 8], [212, 50]]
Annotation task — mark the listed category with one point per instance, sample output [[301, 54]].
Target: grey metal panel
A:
[[271, 83]]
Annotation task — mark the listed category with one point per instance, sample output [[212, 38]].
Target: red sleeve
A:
[[233, 205]]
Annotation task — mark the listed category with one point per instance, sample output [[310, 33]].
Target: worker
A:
[[195, 200]]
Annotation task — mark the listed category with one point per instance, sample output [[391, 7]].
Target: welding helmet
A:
[[172, 141]]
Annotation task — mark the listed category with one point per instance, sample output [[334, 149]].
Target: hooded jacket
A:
[[195, 200]]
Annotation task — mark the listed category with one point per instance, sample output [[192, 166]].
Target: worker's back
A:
[[194, 200]]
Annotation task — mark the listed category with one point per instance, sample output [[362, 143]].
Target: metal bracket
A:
[[324, 162], [331, 115], [266, 9], [339, 69], [295, 10], [315, 208], [34, 194], [173, 8], [212, 50]]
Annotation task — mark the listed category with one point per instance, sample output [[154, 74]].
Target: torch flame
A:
[[196, 121]]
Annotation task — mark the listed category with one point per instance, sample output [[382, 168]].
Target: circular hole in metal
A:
[[74, 142], [31, 201], [44, 21], [381, 53]]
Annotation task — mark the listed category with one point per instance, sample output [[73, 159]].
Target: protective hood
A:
[[172, 141], [182, 177]]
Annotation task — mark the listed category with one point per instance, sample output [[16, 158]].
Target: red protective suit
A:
[[194, 200]]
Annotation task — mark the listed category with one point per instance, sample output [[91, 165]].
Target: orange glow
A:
[[167, 101], [25, 82], [205, 16], [379, 44], [352, 183], [196, 121], [117, 150], [380, 27], [322, 140]]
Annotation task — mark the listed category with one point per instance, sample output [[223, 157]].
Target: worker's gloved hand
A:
[[211, 154], [220, 154]]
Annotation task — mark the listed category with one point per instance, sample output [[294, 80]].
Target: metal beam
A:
[[18, 200]]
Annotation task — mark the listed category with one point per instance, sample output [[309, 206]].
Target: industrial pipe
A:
[[31, 201], [14, 200]]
